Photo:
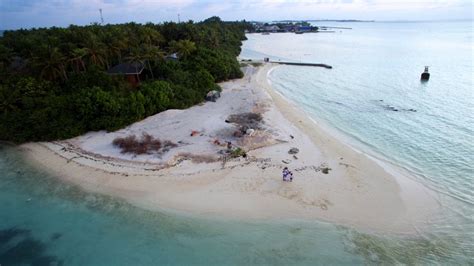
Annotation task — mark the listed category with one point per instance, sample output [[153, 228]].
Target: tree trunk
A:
[[151, 70]]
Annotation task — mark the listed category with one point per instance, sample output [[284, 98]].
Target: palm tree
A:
[[96, 52], [77, 58], [51, 65], [150, 36], [184, 48], [115, 43], [151, 54], [116, 48], [136, 56], [145, 55]]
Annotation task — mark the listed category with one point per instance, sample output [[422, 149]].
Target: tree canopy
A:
[[54, 84]]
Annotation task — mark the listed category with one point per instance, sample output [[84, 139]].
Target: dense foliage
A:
[[54, 84]]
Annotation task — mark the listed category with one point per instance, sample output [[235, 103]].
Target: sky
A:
[[16, 14]]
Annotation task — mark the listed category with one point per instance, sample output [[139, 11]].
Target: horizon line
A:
[[265, 21]]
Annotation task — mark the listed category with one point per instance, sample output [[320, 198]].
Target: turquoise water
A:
[[374, 95], [46, 222], [373, 98]]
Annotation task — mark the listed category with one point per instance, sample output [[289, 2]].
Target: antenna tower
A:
[[101, 17]]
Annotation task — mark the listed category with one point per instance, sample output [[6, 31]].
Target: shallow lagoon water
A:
[[373, 94], [47, 222]]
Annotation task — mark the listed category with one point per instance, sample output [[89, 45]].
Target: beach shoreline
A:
[[357, 192]]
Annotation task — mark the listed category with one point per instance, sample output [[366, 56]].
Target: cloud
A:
[[17, 6], [30, 13]]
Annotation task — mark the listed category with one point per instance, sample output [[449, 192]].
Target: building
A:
[[290, 28], [131, 71], [172, 57], [304, 29], [271, 28]]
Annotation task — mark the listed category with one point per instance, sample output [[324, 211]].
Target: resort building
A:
[[304, 28], [272, 28], [131, 71]]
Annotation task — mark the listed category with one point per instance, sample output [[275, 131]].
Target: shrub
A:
[[146, 145], [237, 153]]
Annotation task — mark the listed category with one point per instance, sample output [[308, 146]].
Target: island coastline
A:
[[357, 191]]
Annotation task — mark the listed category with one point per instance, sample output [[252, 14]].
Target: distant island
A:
[[326, 20], [295, 26]]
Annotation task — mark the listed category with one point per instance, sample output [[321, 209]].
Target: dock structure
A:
[[301, 64]]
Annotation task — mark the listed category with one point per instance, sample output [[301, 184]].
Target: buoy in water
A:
[[425, 75]]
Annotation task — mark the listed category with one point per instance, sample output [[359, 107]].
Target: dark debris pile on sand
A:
[[247, 123], [147, 144], [249, 120]]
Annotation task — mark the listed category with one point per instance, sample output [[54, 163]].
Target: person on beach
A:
[[287, 175]]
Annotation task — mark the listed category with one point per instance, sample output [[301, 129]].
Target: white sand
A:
[[357, 192]]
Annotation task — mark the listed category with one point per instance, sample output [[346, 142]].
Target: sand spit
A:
[[333, 182]]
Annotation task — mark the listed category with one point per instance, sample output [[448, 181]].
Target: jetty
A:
[[301, 64], [331, 27]]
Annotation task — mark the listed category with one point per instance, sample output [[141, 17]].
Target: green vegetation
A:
[[54, 84], [238, 152], [256, 64]]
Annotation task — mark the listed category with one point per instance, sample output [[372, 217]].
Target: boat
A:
[[426, 74]]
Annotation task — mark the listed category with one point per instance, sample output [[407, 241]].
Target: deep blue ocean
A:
[[376, 68]]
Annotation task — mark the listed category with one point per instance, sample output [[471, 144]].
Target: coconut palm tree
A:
[[184, 48], [136, 56], [96, 52], [151, 37], [145, 55], [77, 58], [152, 54], [52, 64], [115, 43], [116, 48]]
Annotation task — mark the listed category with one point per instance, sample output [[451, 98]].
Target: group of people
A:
[[287, 175]]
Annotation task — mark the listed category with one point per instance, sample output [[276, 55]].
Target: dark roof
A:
[[134, 68], [18, 63], [304, 28]]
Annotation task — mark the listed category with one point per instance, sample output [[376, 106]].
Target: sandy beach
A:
[[197, 178]]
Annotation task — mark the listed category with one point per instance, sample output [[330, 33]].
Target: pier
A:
[[331, 27], [301, 64]]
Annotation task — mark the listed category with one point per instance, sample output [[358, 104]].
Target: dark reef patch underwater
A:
[[18, 247]]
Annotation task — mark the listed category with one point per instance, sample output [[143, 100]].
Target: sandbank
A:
[[358, 191]]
